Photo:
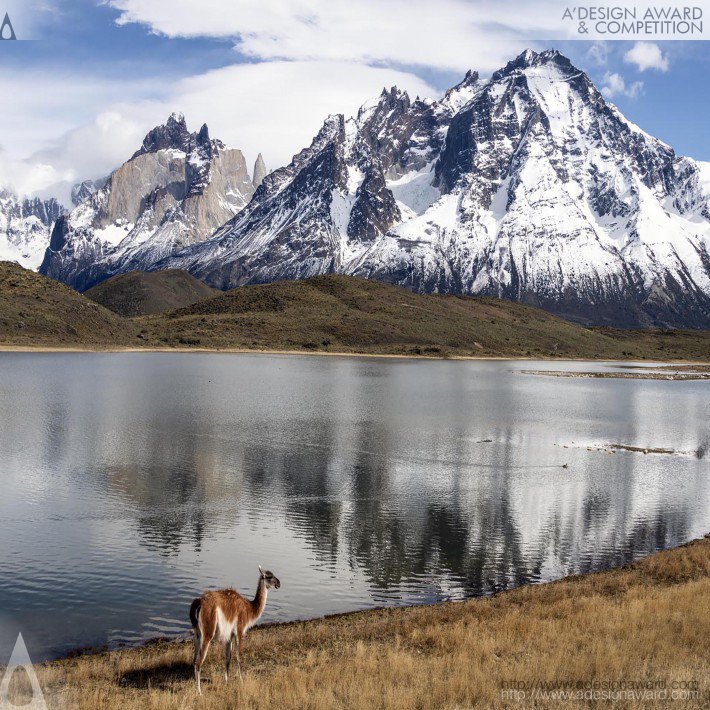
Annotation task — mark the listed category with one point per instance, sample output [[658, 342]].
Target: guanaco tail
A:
[[227, 615]]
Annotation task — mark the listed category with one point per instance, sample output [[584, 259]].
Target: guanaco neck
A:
[[259, 598]]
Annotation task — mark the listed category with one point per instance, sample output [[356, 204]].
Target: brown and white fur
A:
[[227, 615]]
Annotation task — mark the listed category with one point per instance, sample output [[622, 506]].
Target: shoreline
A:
[[344, 615], [449, 654], [340, 353]]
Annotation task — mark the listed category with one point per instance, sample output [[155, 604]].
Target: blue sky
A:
[[263, 74]]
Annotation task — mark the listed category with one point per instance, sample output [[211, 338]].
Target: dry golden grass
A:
[[646, 622]]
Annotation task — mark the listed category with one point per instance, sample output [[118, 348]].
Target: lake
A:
[[131, 482]]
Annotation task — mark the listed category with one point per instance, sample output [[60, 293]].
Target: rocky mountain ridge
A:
[[528, 186], [25, 226], [174, 191]]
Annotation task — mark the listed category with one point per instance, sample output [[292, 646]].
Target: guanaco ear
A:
[[261, 571]]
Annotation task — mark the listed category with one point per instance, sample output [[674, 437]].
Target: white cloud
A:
[[446, 34], [57, 126], [313, 57], [41, 105], [274, 108], [615, 85], [599, 53], [647, 55]]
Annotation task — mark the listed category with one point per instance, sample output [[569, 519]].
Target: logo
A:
[[20, 658], [6, 29], [629, 21]]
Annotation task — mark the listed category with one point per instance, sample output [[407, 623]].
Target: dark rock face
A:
[[74, 249], [172, 134], [57, 239], [375, 209]]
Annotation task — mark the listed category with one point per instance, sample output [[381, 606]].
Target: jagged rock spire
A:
[[260, 171], [172, 134]]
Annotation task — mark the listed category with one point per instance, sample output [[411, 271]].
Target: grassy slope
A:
[[35, 310], [649, 621], [323, 314], [140, 293], [345, 314]]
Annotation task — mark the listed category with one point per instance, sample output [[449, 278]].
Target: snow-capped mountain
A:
[[337, 198], [175, 191], [25, 226], [83, 190], [528, 186]]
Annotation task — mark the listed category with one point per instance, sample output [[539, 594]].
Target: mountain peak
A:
[[203, 138], [387, 97], [394, 93], [171, 134], [260, 171], [527, 57], [457, 96], [388, 100], [530, 58], [471, 79]]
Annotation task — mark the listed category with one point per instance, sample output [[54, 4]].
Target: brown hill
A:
[[141, 293], [343, 313], [325, 313], [35, 310]]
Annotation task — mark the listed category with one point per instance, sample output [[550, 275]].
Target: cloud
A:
[[43, 104], [309, 58], [61, 122], [647, 55], [274, 108], [615, 85], [447, 34], [599, 53]]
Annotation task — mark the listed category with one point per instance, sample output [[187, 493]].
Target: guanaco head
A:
[[269, 579]]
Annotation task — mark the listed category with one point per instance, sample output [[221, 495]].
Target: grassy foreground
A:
[[646, 623]]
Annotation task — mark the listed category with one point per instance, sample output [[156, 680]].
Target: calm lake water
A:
[[129, 483]]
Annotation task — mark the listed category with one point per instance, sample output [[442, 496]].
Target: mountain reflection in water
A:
[[133, 481]]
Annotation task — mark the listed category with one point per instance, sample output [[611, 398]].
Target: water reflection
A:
[[133, 481]]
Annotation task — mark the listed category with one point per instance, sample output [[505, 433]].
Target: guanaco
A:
[[227, 615]]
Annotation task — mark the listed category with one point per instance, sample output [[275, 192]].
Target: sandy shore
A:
[[342, 353]]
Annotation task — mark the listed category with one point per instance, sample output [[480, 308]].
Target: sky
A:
[[88, 78]]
